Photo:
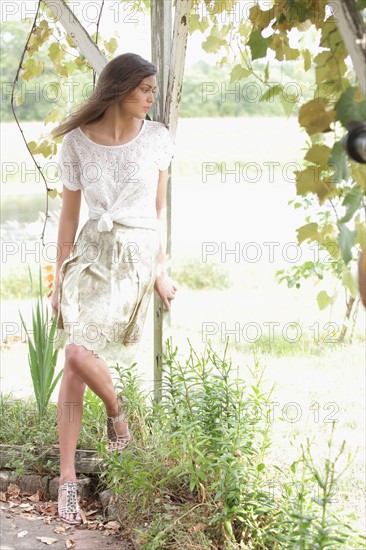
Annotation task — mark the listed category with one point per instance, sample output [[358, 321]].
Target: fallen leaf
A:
[[91, 512], [59, 530], [114, 525], [3, 496], [47, 519], [48, 509], [22, 534], [46, 540], [82, 515], [13, 489], [37, 496], [70, 543]]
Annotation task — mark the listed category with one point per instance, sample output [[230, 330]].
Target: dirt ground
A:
[[28, 524]]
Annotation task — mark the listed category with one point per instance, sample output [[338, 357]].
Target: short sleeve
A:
[[166, 149], [69, 165]]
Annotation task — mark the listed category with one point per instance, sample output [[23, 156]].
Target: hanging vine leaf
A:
[[348, 109], [339, 162], [318, 154], [346, 241], [314, 117], [308, 231], [352, 201], [324, 300], [238, 73], [258, 44], [111, 45]]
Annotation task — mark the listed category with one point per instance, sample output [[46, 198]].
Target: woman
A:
[[120, 160]]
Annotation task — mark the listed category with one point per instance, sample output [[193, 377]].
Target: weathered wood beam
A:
[[352, 29], [161, 37], [168, 54], [177, 64], [78, 33]]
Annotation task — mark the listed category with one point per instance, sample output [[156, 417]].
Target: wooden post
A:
[[353, 32], [168, 55], [161, 37], [77, 32]]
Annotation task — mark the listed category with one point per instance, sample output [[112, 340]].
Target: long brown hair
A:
[[118, 78]]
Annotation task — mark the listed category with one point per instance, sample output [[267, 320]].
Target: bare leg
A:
[[70, 403], [95, 373], [82, 368]]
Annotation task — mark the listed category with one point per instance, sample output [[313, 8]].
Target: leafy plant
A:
[[306, 515], [327, 259], [42, 358]]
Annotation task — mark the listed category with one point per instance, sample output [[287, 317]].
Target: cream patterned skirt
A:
[[105, 287]]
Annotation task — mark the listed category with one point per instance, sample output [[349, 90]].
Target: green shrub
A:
[[197, 473]]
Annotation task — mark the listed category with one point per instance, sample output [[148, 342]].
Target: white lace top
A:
[[119, 182]]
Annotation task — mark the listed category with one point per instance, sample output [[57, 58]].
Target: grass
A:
[[20, 425], [199, 472]]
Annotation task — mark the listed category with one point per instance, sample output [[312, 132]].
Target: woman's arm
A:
[[68, 225], [163, 283]]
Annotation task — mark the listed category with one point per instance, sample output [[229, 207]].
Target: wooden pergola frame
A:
[[168, 47]]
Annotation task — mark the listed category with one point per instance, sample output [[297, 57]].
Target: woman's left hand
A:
[[166, 289]]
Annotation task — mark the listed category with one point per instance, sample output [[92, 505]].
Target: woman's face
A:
[[138, 102]]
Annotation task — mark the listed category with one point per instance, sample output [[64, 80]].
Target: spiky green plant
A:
[[42, 358]]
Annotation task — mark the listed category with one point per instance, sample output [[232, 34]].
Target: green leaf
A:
[[308, 231], [318, 154], [288, 103], [314, 117], [261, 467], [352, 201], [258, 44], [346, 239], [338, 160], [238, 73], [324, 300], [194, 23], [309, 180], [213, 44], [360, 231], [271, 92], [307, 59], [56, 52], [111, 45], [266, 72], [348, 110], [349, 282]]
